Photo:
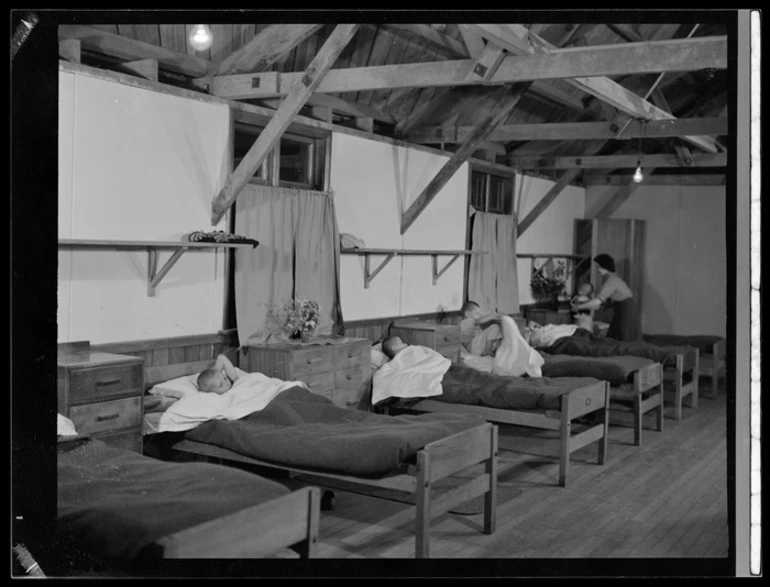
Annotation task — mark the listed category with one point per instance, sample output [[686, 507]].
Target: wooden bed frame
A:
[[685, 363], [645, 394], [435, 461], [575, 404], [712, 365], [289, 521]]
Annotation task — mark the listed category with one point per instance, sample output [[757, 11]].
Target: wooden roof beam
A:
[[649, 180], [267, 46], [289, 108], [585, 63], [685, 159], [547, 200], [573, 131], [516, 38], [131, 50], [496, 115]]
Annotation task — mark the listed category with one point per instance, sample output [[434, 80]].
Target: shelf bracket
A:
[[436, 272], [154, 277], [368, 273]]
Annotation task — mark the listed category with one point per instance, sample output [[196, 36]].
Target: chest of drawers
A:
[[444, 338], [102, 393], [338, 371]]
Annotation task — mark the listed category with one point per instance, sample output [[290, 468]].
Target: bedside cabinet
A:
[[444, 338], [338, 371], [102, 393], [544, 317]]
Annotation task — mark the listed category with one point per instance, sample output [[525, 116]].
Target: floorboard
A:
[[664, 499]]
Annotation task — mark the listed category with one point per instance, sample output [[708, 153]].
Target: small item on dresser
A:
[[219, 236]]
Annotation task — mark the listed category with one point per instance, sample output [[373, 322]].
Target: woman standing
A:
[[626, 323]]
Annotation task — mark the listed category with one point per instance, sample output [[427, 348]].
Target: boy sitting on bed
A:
[[480, 330], [218, 377]]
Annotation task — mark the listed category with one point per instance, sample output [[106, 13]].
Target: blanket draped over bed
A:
[[466, 385], [301, 429], [585, 344], [113, 502], [615, 370]]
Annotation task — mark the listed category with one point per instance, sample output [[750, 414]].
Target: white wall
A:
[[137, 165], [685, 270], [373, 183], [552, 231]]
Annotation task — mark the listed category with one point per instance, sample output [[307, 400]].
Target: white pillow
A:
[[378, 358], [178, 388], [65, 426]]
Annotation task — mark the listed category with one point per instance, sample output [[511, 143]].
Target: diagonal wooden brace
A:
[[436, 272], [368, 273], [154, 277]]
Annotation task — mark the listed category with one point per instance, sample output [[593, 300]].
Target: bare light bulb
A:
[[200, 37], [638, 177]]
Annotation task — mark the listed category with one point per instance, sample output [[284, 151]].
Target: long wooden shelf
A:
[[154, 275], [370, 274]]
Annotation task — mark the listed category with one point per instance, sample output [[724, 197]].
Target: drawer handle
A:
[[348, 377], [316, 360], [107, 417], [108, 382], [351, 355]]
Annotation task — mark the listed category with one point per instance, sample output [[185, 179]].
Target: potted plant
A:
[[546, 289]]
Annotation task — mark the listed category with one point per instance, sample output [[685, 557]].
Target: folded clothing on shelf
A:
[[219, 236]]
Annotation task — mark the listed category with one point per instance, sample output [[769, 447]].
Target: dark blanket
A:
[[114, 502], [615, 370], [703, 342], [465, 385], [585, 344], [301, 429]]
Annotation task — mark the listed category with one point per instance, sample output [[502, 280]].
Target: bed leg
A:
[[422, 514], [678, 388], [565, 436], [490, 498], [695, 371], [661, 408], [638, 419], [604, 442]]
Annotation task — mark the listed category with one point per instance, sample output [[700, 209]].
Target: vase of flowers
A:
[[297, 318], [546, 289]]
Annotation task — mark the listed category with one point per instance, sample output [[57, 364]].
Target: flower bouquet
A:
[[297, 318]]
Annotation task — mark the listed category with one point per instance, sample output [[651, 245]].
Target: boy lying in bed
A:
[[416, 371], [219, 376]]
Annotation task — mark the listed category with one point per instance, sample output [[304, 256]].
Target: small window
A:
[[491, 192], [301, 160]]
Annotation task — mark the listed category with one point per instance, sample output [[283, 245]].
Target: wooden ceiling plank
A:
[[266, 48], [289, 108], [69, 49], [497, 114], [131, 50], [686, 159], [432, 37], [572, 131], [547, 200], [607, 90]]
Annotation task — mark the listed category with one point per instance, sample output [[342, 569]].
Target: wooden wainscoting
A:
[[158, 352], [377, 329]]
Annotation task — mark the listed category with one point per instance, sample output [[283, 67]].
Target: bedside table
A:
[[338, 371], [444, 338], [102, 393]]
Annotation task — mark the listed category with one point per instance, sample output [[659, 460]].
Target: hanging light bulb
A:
[[200, 37], [638, 176]]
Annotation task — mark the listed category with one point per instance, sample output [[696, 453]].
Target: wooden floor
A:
[[665, 499]]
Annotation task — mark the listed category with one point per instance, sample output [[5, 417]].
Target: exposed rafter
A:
[[687, 159], [272, 132], [517, 39], [590, 63], [573, 131]]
